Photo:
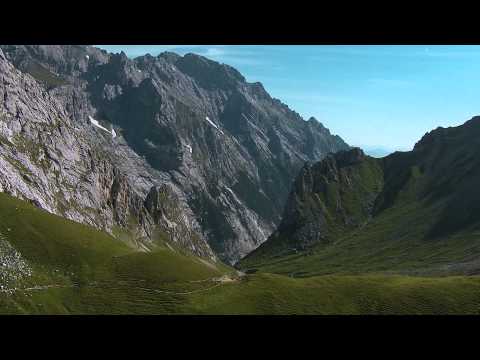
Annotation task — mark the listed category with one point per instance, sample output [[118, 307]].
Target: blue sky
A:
[[372, 96]]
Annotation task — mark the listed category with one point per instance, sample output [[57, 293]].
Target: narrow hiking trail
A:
[[35, 288], [108, 285]]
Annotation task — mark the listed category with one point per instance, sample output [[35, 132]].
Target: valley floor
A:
[[53, 266], [256, 294]]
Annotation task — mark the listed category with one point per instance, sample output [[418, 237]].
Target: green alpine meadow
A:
[[169, 184]]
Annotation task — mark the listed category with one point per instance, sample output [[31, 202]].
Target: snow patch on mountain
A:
[[97, 124], [213, 124]]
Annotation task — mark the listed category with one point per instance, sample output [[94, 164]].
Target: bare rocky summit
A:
[[197, 156]]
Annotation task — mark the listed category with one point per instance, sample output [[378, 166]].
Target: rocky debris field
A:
[[12, 266]]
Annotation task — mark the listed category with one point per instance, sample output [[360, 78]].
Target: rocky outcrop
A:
[[227, 149], [13, 267], [328, 199], [165, 209]]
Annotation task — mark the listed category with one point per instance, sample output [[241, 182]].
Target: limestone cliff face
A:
[[62, 167], [227, 150]]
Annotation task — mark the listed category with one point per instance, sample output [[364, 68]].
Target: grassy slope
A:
[[101, 275], [277, 294], [391, 243], [422, 193], [76, 257], [268, 294], [361, 181]]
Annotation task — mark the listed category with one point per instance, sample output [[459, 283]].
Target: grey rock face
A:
[[165, 208], [227, 150], [67, 168]]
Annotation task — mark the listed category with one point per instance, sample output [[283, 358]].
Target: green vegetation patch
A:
[[44, 76]]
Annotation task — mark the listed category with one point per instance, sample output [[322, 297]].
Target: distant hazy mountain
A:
[[378, 151]]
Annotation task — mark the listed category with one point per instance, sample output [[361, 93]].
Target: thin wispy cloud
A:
[[215, 52], [228, 54], [231, 55], [254, 55]]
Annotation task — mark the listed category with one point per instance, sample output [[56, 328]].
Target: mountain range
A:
[[168, 148], [169, 184]]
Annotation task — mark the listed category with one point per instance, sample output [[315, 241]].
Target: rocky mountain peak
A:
[[210, 74], [169, 56], [120, 58], [226, 150], [349, 157], [451, 135], [327, 198], [316, 123], [259, 91]]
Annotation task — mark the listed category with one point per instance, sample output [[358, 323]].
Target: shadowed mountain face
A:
[[407, 210], [226, 151], [331, 196], [443, 171]]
